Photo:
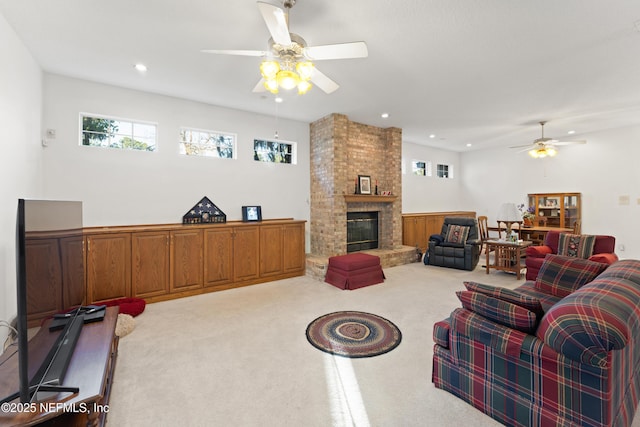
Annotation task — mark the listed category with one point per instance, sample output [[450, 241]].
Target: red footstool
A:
[[353, 271]]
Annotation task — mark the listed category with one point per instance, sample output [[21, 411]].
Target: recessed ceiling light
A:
[[571, 132], [432, 136], [384, 115], [279, 100], [141, 67], [469, 145]]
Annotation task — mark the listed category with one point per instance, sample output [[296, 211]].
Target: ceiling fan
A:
[[289, 61], [543, 147]]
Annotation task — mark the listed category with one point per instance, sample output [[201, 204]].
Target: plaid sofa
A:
[[547, 354]]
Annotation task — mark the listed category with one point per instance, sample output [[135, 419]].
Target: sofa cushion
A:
[[576, 245], [562, 275], [509, 295], [502, 312], [457, 234]]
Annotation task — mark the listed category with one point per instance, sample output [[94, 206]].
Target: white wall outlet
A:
[[621, 247], [623, 200], [51, 134]]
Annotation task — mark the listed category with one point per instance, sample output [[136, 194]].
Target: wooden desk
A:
[[507, 256], [91, 369]]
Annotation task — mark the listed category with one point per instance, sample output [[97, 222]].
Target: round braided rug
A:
[[353, 334]]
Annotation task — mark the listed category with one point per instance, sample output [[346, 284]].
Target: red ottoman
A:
[[353, 271]]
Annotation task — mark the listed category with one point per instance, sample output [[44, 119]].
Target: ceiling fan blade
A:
[[276, 22], [236, 52], [582, 141], [337, 51], [259, 87], [323, 82], [523, 146]]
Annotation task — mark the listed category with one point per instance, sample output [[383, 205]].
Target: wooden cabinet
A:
[[218, 256], [293, 256], [43, 265], [246, 253], [187, 248], [414, 231], [271, 250], [281, 249], [561, 210], [72, 260], [160, 262], [149, 264], [417, 227], [108, 266]]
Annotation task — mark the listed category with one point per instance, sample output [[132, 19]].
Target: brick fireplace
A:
[[340, 151]]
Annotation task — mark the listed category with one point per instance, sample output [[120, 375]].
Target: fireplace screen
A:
[[362, 231]]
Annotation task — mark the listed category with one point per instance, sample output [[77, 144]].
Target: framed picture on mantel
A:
[[364, 184]]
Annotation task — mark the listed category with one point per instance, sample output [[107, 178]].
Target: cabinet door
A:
[[433, 225], [186, 260], [414, 231], [73, 278], [294, 257], [271, 250], [43, 267], [218, 261], [108, 266], [246, 247], [150, 264]]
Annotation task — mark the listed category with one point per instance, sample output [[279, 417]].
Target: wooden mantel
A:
[[368, 198]]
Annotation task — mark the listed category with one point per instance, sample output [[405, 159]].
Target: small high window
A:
[[111, 132], [444, 171], [419, 167], [274, 151], [194, 142]]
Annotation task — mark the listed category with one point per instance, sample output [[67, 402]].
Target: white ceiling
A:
[[468, 71]]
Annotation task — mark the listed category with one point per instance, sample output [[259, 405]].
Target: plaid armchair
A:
[[562, 352]]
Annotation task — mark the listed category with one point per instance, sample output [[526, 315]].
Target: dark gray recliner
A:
[[463, 256]]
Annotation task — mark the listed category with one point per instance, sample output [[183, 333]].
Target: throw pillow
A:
[[457, 234], [561, 275], [576, 245], [508, 295], [502, 312]]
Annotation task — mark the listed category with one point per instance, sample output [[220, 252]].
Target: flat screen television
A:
[[50, 281]]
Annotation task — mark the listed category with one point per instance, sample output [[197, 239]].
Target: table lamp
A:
[[509, 214]]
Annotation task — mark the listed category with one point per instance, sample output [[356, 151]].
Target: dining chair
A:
[[576, 227], [484, 231]]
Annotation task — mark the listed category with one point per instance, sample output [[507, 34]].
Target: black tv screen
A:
[[50, 278]]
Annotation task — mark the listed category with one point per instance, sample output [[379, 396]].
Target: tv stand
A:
[[90, 370]]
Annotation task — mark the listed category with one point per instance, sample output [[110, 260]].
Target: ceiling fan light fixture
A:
[[271, 85], [551, 151], [269, 69], [303, 87], [305, 70], [287, 79]]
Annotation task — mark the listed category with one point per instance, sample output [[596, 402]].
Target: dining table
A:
[[535, 234]]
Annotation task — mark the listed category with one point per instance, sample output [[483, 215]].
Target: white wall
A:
[[20, 152], [120, 187], [603, 170], [428, 193]]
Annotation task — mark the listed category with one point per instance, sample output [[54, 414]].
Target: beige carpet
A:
[[241, 358]]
